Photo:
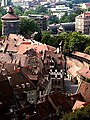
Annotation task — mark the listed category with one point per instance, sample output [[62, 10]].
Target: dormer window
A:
[[56, 70], [17, 86], [28, 84], [48, 56], [23, 85], [59, 56], [9, 78], [35, 66]]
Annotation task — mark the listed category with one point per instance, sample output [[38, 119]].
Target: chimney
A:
[[89, 67], [58, 50], [14, 67]]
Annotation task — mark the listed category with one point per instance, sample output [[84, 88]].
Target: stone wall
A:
[[10, 27]]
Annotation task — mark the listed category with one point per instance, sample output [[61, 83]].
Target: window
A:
[[53, 76], [58, 76], [59, 82], [55, 82]]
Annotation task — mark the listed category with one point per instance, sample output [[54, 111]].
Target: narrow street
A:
[[70, 87]]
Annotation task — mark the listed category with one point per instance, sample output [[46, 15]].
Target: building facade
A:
[[41, 21], [82, 23]]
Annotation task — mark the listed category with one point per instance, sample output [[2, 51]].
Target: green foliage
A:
[[87, 50], [72, 41], [71, 17], [29, 26], [18, 10], [77, 41], [53, 19], [80, 114], [49, 39], [2, 11], [89, 9], [30, 11], [68, 18], [41, 10]]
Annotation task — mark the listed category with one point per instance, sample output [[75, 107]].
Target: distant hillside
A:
[[79, 1]]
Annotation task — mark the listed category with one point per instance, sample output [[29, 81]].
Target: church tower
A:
[[10, 23]]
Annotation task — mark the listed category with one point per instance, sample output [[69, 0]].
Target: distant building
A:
[[41, 21], [85, 5], [82, 23], [68, 27], [10, 23], [53, 28], [58, 28], [4, 3]]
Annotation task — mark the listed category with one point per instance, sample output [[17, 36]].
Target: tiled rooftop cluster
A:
[[78, 71], [26, 69], [32, 80]]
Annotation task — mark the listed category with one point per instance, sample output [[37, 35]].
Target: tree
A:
[[77, 42], [41, 10], [89, 9], [53, 19], [74, 41], [49, 39], [30, 11], [81, 114], [71, 17], [38, 10], [87, 50], [2, 11], [18, 10], [28, 27]]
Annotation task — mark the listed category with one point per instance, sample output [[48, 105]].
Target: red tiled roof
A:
[[6, 93], [70, 62], [83, 55], [19, 79], [84, 15], [44, 109], [60, 101], [24, 47], [78, 104], [85, 72], [10, 17], [84, 89], [87, 14], [75, 97], [11, 43], [87, 4], [51, 48], [73, 70], [5, 58], [8, 68], [28, 73]]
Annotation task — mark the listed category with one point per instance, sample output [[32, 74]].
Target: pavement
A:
[[70, 87]]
